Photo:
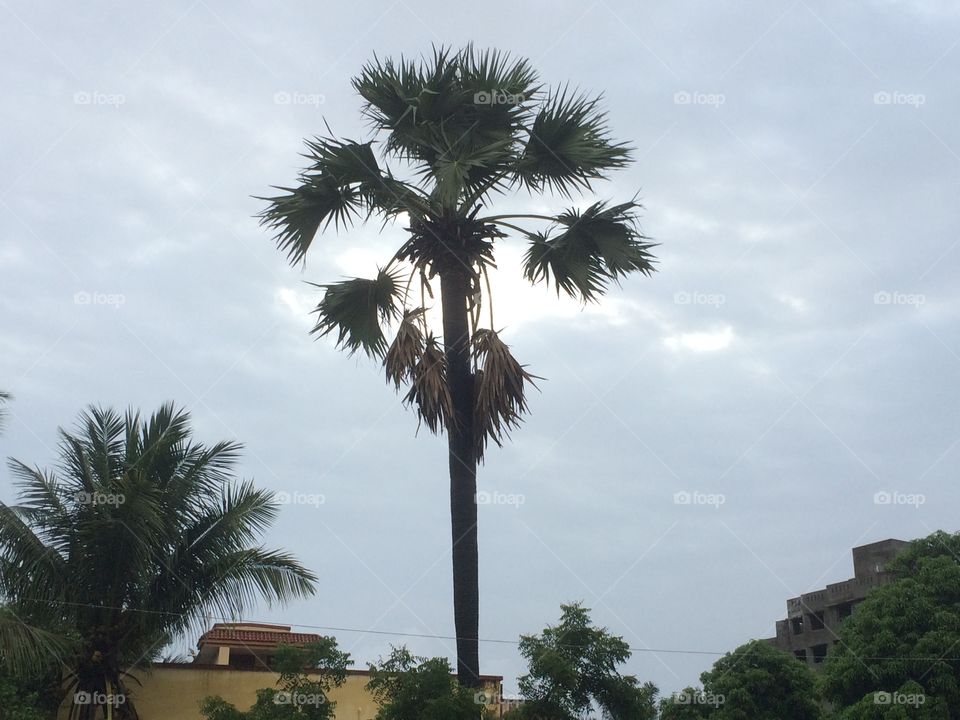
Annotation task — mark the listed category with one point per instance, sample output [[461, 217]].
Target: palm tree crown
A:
[[136, 535], [464, 126]]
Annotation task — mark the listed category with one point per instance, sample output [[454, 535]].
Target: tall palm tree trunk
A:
[[454, 290]]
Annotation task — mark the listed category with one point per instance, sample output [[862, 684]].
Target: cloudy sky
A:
[[797, 353]]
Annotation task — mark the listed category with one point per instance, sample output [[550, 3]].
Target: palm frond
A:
[[29, 650], [343, 183], [569, 145], [406, 349], [28, 567], [356, 310], [458, 117], [297, 215], [235, 581], [499, 389], [592, 249], [429, 391]]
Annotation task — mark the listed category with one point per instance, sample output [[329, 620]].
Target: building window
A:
[[816, 620], [844, 611], [796, 624], [800, 655], [819, 653]]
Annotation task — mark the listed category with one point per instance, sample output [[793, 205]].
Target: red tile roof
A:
[[220, 635]]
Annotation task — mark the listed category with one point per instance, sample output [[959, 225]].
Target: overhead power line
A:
[[396, 633]]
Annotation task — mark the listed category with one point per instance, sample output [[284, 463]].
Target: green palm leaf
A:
[[356, 309], [592, 249], [569, 145], [343, 183], [458, 117], [29, 650]]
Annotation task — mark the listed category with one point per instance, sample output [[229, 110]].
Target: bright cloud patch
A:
[[701, 341]]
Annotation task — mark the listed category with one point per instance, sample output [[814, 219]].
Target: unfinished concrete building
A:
[[813, 620]]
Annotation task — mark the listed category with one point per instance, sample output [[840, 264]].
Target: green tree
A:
[[755, 682], [298, 694], [573, 667], [689, 704], [898, 652], [137, 535], [18, 703], [407, 687], [462, 127]]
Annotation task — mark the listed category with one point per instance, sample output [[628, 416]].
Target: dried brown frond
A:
[[406, 349], [429, 391], [499, 389]]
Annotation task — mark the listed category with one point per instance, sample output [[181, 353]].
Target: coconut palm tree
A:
[[459, 128], [136, 535]]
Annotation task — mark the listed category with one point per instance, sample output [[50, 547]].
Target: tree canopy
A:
[[408, 687], [899, 653], [299, 694], [754, 682], [573, 667]]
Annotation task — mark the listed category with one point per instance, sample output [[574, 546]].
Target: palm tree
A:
[[462, 127], [136, 535]]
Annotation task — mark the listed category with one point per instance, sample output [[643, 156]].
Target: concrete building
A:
[[247, 646], [813, 620], [234, 661]]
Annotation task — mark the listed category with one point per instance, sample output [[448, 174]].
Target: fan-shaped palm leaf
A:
[[569, 145], [356, 309], [592, 249]]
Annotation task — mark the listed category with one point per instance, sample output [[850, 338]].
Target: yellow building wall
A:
[[175, 693]]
